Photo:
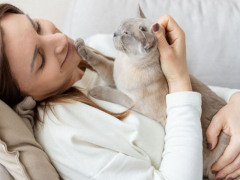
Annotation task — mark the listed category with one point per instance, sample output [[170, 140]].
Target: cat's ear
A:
[[140, 13], [149, 42]]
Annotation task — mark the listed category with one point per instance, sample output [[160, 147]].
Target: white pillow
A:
[[103, 43], [211, 26]]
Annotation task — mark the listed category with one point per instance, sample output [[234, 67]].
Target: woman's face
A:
[[25, 46]]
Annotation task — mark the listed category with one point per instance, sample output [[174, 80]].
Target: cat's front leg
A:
[[111, 95], [103, 66]]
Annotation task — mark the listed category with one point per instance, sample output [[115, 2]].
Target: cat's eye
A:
[[125, 32], [142, 28]]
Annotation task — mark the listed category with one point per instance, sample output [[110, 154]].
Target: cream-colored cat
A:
[[135, 78]]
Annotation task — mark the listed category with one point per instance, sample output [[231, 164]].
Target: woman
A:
[[87, 140]]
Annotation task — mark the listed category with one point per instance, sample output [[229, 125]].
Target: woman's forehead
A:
[[18, 39], [11, 20], [19, 45]]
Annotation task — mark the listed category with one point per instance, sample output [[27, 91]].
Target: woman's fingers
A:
[[230, 153], [175, 35], [228, 170], [233, 175], [170, 26], [227, 120], [214, 129], [159, 32]]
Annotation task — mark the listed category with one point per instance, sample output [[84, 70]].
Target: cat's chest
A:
[[127, 76]]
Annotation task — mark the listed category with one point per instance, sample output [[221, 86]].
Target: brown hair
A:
[[11, 94]]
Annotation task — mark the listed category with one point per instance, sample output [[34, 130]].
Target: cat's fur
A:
[[136, 73]]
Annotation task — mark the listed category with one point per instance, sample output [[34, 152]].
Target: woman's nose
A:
[[58, 41]]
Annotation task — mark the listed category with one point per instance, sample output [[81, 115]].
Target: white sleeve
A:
[[182, 157], [224, 93]]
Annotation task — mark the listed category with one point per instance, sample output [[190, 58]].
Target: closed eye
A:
[[38, 27], [43, 60], [41, 54]]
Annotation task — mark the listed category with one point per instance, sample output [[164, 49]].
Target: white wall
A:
[[53, 10]]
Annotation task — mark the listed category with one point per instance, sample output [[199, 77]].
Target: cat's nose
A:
[[114, 34]]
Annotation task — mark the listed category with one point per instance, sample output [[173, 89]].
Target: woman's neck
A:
[[80, 73], [77, 75]]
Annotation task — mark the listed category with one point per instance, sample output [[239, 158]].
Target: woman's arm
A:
[[183, 140]]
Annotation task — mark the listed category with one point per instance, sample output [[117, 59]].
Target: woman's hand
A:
[[172, 49], [228, 121]]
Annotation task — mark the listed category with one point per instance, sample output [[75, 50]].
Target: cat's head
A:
[[135, 38]]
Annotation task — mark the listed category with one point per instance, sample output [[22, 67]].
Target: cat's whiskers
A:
[[124, 47], [120, 45]]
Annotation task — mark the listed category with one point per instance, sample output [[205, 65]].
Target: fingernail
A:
[[229, 178], [209, 146], [155, 27], [214, 172]]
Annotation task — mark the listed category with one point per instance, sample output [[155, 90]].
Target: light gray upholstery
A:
[[211, 26]]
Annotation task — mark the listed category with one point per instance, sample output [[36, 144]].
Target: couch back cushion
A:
[[211, 27]]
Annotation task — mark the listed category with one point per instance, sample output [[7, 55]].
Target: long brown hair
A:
[[11, 94]]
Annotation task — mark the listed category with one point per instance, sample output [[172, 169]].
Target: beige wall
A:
[[53, 10]]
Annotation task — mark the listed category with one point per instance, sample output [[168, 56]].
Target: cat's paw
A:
[[97, 92], [81, 48], [79, 42]]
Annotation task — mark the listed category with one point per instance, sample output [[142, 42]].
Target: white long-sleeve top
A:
[[89, 144]]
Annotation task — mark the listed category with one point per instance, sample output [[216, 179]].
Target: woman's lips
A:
[[69, 51]]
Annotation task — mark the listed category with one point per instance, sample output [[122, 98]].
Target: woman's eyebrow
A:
[[36, 48], [31, 21]]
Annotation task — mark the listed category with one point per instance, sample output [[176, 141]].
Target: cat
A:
[[136, 80]]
